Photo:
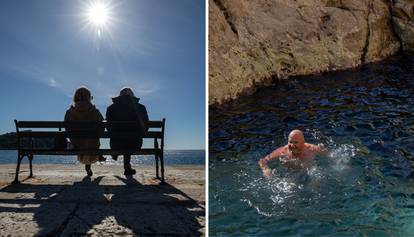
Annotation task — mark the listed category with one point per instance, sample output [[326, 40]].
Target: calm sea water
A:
[[364, 187], [171, 157]]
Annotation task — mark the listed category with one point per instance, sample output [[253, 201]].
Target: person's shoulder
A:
[[111, 106], [141, 105], [312, 147], [282, 148], [70, 113], [316, 148], [70, 110], [96, 110]]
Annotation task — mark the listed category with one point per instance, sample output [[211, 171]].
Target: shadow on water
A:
[[366, 119], [87, 207]]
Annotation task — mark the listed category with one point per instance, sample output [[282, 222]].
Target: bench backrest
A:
[[56, 129]]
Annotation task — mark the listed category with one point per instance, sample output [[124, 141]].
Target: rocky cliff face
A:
[[254, 42], [403, 22]]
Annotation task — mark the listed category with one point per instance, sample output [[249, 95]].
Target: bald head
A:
[[296, 141], [297, 134]]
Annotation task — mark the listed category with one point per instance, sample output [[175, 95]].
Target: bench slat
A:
[[144, 151], [154, 124], [81, 134]]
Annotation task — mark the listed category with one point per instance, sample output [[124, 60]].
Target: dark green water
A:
[[364, 187]]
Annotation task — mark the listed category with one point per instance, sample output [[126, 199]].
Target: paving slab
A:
[[60, 200]]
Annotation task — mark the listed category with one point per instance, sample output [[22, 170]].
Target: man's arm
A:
[[322, 150], [319, 149], [263, 162]]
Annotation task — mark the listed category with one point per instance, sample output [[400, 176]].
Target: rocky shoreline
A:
[[254, 43], [61, 201]]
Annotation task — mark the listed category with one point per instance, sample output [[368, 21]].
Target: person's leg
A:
[[127, 162], [127, 166], [101, 158], [114, 145], [88, 170]]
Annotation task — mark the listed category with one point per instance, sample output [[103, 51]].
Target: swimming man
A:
[[297, 150]]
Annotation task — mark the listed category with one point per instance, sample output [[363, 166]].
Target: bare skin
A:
[[297, 150]]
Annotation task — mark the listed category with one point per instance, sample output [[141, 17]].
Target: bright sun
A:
[[98, 17], [98, 14]]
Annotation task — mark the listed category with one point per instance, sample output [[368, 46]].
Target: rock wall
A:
[[256, 42], [403, 22]]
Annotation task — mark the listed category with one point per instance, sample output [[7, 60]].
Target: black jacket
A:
[[127, 108]]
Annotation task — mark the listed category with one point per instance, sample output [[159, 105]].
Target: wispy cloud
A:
[[53, 82]]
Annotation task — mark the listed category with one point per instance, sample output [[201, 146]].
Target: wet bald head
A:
[[297, 134], [296, 141]]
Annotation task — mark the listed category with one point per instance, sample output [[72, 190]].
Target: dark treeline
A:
[[8, 141]]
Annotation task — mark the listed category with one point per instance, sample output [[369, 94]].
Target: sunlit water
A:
[[364, 187], [171, 157]]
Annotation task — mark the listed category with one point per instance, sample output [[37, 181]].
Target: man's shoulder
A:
[[311, 146], [141, 105], [316, 148], [282, 148], [111, 106]]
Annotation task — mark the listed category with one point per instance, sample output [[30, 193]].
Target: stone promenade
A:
[[61, 201]]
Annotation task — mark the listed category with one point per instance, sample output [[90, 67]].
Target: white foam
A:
[[341, 156]]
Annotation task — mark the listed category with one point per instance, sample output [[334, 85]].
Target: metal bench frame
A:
[[41, 126]]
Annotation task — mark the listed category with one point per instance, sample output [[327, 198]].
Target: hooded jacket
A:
[[127, 108], [84, 112]]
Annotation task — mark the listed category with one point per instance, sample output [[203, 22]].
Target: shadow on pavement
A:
[[88, 208]]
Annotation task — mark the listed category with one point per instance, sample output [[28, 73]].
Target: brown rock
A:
[[253, 42], [403, 21]]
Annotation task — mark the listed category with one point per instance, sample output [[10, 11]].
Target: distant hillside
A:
[[8, 141]]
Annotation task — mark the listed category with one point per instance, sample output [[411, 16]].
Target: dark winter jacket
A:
[[127, 108], [83, 112]]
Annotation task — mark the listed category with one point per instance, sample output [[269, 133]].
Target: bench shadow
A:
[[90, 208]]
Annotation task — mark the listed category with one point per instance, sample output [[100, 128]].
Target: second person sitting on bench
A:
[[126, 108]]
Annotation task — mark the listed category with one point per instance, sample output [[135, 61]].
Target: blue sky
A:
[[156, 47]]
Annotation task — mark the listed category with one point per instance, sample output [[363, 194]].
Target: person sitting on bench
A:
[[83, 110], [126, 107]]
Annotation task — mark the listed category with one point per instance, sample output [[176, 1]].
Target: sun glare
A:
[[98, 14]]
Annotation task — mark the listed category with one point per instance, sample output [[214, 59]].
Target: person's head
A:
[[126, 91], [296, 141], [82, 94]]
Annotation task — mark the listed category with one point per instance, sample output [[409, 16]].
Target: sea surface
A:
[[171, 157], [364, 187]]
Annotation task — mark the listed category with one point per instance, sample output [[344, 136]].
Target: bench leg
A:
[[19, 160], [162, 168], [30, 163], [157, 160]]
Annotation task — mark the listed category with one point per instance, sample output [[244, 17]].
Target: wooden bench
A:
[[55, 130]]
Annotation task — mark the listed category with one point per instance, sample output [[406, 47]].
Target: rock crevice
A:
[[226, 15], [366, 47]]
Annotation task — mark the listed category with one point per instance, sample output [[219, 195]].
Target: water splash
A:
[[341, 156]]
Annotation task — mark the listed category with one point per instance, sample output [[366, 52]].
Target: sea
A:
[[171, 157], [364, 187]]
